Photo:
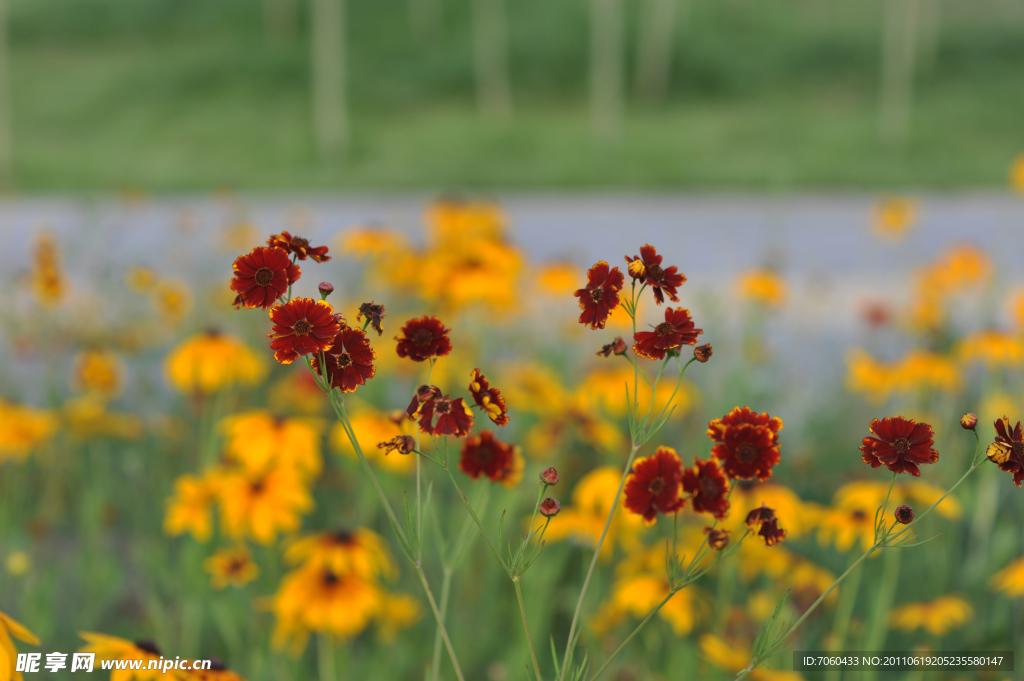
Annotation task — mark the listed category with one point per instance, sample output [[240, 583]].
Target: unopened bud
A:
[[549, 508], [326, 289], [717, 539], [904, 515], [549, 476], [969, 421], [702, 353]]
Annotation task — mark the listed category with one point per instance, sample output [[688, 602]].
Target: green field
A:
[[178, 95]]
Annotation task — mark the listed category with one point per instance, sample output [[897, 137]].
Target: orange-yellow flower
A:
[[937, 617], [262, 505], [113, 648], [361, 551], [190, 509], [212, 361], [258, 440], [10, 628], [232, 566]]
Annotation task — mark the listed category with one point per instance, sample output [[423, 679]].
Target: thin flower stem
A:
[[419, 497], [480, 526], [325, 657], [440, 623], [526, 628], [446, 587]]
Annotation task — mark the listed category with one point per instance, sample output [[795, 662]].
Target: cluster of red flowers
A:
[[263, 275], [900, 444], [746, 443]]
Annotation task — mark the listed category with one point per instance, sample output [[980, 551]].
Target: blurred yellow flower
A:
[[298, 392], [893, 216], [728, 657], [372, 427], [97, 371], [998, 403], [606, 387], [962, 266], [261, 505], [87, 416], [258, 440], [762, 286], [18, 563], [787, 570], [9, 628], [140, 279], [239, 236], [113, 648], [361, 551], [190, 509], [397, 612], [472, 272], [212, 361], [993, 348], [789, 509], [584, 520], [233, 566], [453, 221], [937, 617], [917, 371], [1017, 173], [49, 283], [1010, 580], [23, 429], [636, 596], [559, 278], [172, 299], [370, 242]]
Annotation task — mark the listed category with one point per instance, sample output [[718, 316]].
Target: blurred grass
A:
[[174, 95]]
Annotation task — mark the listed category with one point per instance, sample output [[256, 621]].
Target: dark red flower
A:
[[969, 421], [485, 455], [702, 353], [403, 444], [740, 415], [601, 294], [901, 444], [647, 267], [549, 508], [708, 488], [759, 515], [717, 539], [549, 476], [444, 416], [488, 399], [375, 313], [654, 486], [424, 338], [677, 330], [262, 276], [747, 443], [1007, 451], [771, 532], [617, 346], [325, 288], [423, 393], [299, 246], [302, 326], [904, 515], [349, 362]]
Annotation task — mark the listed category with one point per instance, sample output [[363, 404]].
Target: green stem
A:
[[325, 657], [440, 623], [886, 594], [526, 628], [841, 623], [446, 587], [480, 526]]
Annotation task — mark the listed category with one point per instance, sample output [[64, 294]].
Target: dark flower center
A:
[[264, 276], [236, 565], [484, 455], [901, 444], [655, 272], [330, 578], [443, 407], [422, 337], [746, 453], [147, 646], [302, 328], [859, 515], [344, 360], [342, 537], [657, 486], [256, 487], [664, 329], [1018, 449], [299, 242], [709, 487], [597, 294]]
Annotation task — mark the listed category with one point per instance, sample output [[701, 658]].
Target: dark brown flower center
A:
[[299, 242], [901, 444], [443, 407], [657, 486], [859, 515], [235, 566], [664, 329], [147, 646], [264, 276], [330, 578], [302, 328], [484, 455], [422, 337], [1018, 449], [655, 272], [256, 486], [746, 453], [597, 294], [709, 487], [344, 360]]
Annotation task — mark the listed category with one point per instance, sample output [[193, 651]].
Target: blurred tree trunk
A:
[[898, 53], [6, 151], [654, 48], [330, 112], [426, 17], [931, 32], [280, 19], [490, 38], [606, 68]]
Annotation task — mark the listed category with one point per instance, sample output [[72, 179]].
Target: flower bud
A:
[[717, 539], [617, 346], [969, 421], [549, 508], [702, 353], [326, 289], [904, 515], [549, 476]]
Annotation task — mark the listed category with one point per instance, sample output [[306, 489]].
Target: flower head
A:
[[747, 443], [361, 551], [901, 444], [601, 294], [1007, 451], [677, 330], [403, 444], [441, 415], [904, 515], [299, 246], [325, 288], [302, 326], [617, 347], [702, 353], [374, 313], [11, 628], [113, 648], [717, 539], [211, 361], [262, 276], [937, 617], [233, 567], [549, 476], [488, 399], [349, 362], [485, 455], [549, 508], [655, 485], [764, 521], [649, 270], [424, 338], [708, 488]]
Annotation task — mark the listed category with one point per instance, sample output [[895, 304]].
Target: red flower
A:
[[601, 294], [717, 539], [654, 486], [702, 353], [902, 445], [302, 326], [647, 267], [423, 393], [708, 488], [761, 514], [443, 416], [487, 398], [403, 444], [617, 346], [549, 508], [424, 338], [764, 521], [374, 313], [747, 443], [486, 455], [1007, 451], [299, 246], [349, 362], [262, 276], [674, 332], [549, 476], [739, 415]]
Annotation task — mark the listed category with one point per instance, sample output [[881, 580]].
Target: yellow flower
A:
[[362, 552], [917, 371], [994, 348], [865, 374], [371, 428], [370, 242], [298, 392], [23, 429], [18, 563], [786, 569], [140, 279], [239, 236], [731, 658], [559, 278], [894, 216], [473, 272], [261, 505], [584, 520], [173, 300], [789, 509], [963, 266], [191, 507], [49, 283], [211, 361], [1016, 308], [397, 612], [762, 286], [258, 441], [938, 617], [606, 387], [113, 648], [1017, 173], [451, 221], [97, 371], [533, 388], [87, 416], [313, 599], [1010, 580], [232, 566], [637, 595], [8, 653]]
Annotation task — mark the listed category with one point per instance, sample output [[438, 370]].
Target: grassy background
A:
[[170, 95]]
